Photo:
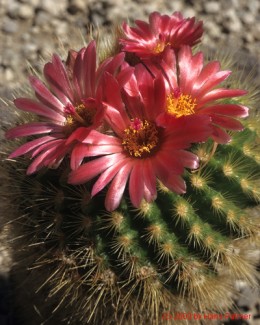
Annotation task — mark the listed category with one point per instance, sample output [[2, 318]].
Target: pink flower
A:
[[149, 40], [72, 105], [139, 150], [193, 89]]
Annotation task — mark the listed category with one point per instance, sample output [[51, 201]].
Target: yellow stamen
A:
[[159, 47], [181, 105], [141, 138]]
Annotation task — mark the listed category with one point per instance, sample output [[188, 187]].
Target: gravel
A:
[[32, 29]]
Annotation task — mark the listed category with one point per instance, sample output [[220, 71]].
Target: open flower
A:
[[149, 40], [70, 106], [139, 150], [193, 89]]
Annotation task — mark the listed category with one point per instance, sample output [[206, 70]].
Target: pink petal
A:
[[44, 95], [79, 134], [226, 109], [91, 169], [89, 70], [158, 94], [188, 129], [81, 151], [176, 184], [32, 106], [77, 155], [206, 73], [48, 145], [96, 138], [219, 94], [219, 135], [112, 95], [188, 159], [117, 119], [31, 145], [117, 187], [39, 161], [190, 67], [107, 176], [31, 129], [169, 161], [136, 184], [149, 180], [212, 82], [124, 75], [227, 122], [110, 65], [78, 76], [56, 74]]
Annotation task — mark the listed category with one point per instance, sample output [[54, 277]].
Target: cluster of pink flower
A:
[[130, 119]]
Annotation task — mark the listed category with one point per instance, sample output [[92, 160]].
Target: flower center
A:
[[77, 116], [140, 138], [160, 46], [179, 104]]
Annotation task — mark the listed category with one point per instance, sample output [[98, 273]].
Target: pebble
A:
[[25, 11], [9, 25], [43, 21], [212, 7], [54, 7]]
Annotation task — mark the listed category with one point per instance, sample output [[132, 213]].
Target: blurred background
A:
[[33, 29]]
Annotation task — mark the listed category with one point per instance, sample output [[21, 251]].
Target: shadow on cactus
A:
[[135, 197]]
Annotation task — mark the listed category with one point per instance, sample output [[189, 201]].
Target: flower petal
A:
[[44, 94], [226, 109], [29, 146], [93, 168], [220, 136], [31, 129], [136, 184], [227, 122], [117, 187], [107, 176], [56, 75], [32, 106]]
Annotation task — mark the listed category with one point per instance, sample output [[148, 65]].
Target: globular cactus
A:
[[85, 263]]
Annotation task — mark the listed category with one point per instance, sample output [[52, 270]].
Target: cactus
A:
[[84, 263]]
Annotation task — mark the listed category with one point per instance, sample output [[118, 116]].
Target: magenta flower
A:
[[149, 40], [139, 150], [71, 106], [193, 89]]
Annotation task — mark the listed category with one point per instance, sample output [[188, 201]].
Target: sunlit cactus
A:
[[80, 259]]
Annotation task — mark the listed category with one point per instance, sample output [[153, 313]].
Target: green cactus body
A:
[[177, 254]]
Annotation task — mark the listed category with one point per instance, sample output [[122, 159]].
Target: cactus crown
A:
[[139, 194]]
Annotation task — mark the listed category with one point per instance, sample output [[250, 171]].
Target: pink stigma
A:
[[69, 109], [136, 124], [176, 92]]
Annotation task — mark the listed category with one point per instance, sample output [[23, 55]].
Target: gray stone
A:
[[9, 25], [231, 21], [212, 7], [26, 11], [54, 7]]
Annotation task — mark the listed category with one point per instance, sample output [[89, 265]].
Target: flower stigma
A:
[[179, 104], [140, 138]]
